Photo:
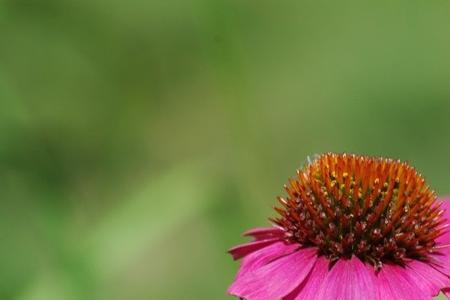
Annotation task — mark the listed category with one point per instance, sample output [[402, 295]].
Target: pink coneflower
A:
[[352, 228]]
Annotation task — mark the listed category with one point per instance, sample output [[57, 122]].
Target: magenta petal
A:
[[245, 249], [276, 279], [348, 280], [395, 284], [445, 204], [446, 292], [364, 280], [265, 255], [262, 233], [427, 278], [441, 262], [445, 201], [308, 289]]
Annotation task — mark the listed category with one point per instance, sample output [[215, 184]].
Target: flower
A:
[[351, 227]]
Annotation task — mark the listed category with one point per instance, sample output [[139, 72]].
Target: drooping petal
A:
[[393, 283], [262, 233], [245, 249], [348, 279], [277, 278], [426, 277], [265, 255]]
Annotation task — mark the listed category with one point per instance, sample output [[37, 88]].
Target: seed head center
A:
[[375, 208]]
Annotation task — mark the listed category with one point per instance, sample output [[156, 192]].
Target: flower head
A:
[[351, 227]]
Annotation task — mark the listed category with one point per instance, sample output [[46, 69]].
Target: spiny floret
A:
[[375, 208]]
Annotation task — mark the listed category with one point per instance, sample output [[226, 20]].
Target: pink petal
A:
[[445, 204], [265, 255], [245, 249], [348, 279], [427, 278], [395, 284], [441, 261], [363, 278], [445, 201], [446, 292], [308, 289], [262, 233], [276, 279]]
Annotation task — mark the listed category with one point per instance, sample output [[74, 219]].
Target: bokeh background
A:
[[138, 139]]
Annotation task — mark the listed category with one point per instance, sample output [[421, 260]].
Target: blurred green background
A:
[[138, 139]]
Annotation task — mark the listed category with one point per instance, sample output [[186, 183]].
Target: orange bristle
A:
[[375, 208]]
